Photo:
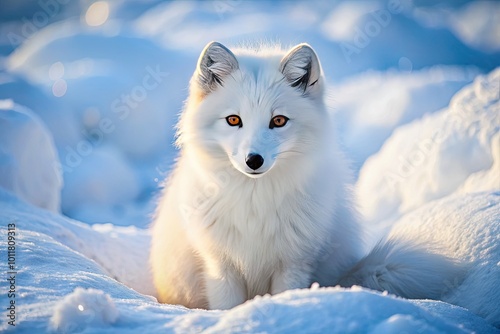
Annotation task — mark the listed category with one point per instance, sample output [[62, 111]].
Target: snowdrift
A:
[[26, 142], [65, 284], [72, 277], [454, 150], [368, 107], [424, 171]]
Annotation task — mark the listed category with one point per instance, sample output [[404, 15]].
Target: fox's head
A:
[[258, 110]]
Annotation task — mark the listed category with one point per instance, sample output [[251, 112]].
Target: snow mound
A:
[[82, 309], [112, 101], [485, 179], [388, 100], [58, 275], [28, 158], [118, 252], [112, 187], [59, 121], [326, 310], [455, 149], [131, 109]]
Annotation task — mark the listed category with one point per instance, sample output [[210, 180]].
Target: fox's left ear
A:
[[302, 69]]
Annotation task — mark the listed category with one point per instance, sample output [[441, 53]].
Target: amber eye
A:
[[278, 121], [234, 120]]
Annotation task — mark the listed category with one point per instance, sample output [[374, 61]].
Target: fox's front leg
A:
[[224, 288], [290, 277]]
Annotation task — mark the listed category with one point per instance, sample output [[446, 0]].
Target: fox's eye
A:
[[278, 121], [234, 120]]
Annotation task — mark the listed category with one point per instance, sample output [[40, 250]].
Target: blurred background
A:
[[108, 78]]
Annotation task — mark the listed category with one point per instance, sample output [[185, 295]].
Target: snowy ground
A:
[[83, 136]]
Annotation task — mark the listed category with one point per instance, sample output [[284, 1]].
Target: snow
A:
[[476, 23], [121, 123], [114, 185], [390, 99], [84, 308], [87, 118], [61, 288], [455, 149], [26, 142]]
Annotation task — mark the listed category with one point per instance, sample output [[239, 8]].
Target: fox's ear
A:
[[215, 62], [302, 69]]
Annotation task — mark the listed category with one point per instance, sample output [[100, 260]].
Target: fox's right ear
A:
[[302, 69], [215, 63]]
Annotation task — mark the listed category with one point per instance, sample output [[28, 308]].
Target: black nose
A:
[[254, 161]]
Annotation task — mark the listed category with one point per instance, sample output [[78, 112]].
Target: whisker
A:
[[289, 152]]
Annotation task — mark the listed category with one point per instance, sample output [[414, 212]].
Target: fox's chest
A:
[[265, 232]]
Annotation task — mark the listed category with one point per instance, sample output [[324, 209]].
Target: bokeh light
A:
[[97, 14], [59, 88]]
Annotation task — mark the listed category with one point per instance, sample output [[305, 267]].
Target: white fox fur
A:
[[225, 232], [406, 268]]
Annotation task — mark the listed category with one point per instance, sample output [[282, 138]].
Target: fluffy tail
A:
[[406, 269]]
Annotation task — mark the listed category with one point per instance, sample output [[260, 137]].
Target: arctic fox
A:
[[260, 201]]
